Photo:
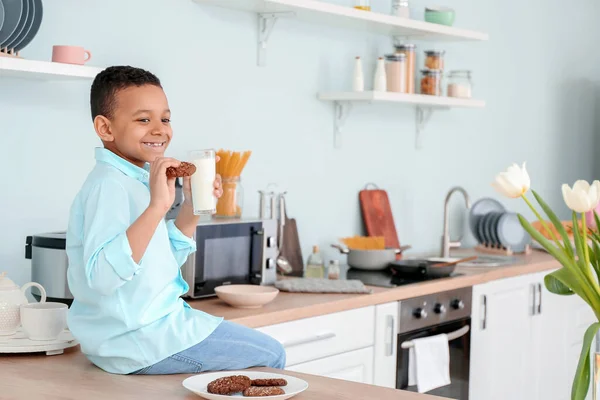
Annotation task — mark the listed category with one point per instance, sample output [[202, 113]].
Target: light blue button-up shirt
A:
[[126, 315]]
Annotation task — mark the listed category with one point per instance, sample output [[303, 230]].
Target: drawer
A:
[[355, 366], [311, 338]]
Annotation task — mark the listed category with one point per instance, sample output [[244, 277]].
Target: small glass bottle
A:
[[230, 203], [364, 5], [333, 271], [431, 82], [315, 267], [459, 84], [380, 79], [400, 8], [358, 80]]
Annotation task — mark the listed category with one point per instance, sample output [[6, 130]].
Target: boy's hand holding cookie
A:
[[162, 187]]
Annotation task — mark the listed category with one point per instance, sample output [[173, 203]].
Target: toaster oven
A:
[[236, 251]]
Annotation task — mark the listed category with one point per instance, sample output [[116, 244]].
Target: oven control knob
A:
[[271, 242], [420, 313], [439, 308], [270, 263], [457, 304]]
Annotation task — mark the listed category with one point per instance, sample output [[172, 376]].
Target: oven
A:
[[447, 312], [231, 251]]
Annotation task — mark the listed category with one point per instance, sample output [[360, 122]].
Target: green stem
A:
[[586, 253], [544, 224]]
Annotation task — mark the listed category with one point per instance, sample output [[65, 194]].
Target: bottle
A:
[[333, 271], [358, 81], [400, 8], [380, 81], [315, 267]]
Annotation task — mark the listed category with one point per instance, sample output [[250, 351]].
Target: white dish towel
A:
[[429, 363]]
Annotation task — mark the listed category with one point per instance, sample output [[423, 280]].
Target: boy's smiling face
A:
[[139, 129]]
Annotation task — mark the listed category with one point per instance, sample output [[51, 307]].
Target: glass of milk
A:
[[203, 199]]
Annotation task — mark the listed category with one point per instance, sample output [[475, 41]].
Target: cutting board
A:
[[377, 216], [291, 247]]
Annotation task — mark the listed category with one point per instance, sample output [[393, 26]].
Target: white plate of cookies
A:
[[227, 384]]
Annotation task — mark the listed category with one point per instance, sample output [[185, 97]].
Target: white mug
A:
[[43, 321]]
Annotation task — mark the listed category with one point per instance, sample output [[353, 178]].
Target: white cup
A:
[[203, 180], [43, 321]]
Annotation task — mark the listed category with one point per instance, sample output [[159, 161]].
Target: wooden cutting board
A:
[[377, 216], [291, 247]]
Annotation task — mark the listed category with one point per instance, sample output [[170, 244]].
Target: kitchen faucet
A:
[[447, 244]]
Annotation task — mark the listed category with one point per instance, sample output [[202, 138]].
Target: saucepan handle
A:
[[342, 250], [402, 248]]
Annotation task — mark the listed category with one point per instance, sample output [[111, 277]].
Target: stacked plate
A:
[[20, 21], [495, 227]]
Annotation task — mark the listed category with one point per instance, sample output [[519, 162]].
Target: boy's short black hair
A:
[[108, 82]]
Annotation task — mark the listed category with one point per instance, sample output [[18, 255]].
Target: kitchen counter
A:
[[72, 376], [294, 306]]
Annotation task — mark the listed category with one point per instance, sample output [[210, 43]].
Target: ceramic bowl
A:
[[440, 15], [246, 296]]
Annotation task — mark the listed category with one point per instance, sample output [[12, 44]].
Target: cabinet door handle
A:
[[484, 319], [533, 293], [315, 338], [539, 310], [389, 336]]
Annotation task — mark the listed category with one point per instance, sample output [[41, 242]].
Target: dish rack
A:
[[501, 251]]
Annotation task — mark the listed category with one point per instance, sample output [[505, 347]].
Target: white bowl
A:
[[246, 296]]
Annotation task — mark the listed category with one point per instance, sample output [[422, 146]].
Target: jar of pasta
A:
[[229, 205], [434, 59], [409, 52], [431, 82]]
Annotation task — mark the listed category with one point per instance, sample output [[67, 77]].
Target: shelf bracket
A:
[[342, 110], [266, 23], [423, 114]]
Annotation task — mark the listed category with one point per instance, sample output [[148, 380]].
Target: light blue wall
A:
[[538, 74]]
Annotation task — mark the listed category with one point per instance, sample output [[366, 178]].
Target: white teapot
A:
[[11, 298]]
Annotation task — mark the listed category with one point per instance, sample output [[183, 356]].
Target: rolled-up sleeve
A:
[[107, 253], [181, 245]]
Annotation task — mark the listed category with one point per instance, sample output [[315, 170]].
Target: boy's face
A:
[[140, 128]]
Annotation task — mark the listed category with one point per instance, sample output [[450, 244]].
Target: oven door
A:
[[227, 254], [459, 358]]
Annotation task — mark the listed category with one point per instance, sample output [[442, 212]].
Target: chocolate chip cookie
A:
[[229, 384], [184, 169], [269, 382]]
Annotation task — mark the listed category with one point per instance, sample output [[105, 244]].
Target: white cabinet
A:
[[525, 341], [385, 350], [356, 366]]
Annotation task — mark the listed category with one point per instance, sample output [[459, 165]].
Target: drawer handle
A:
[[316, 338]]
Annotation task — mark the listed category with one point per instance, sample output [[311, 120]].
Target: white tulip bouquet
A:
[[580, 259]]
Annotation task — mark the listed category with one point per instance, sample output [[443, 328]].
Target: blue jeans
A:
[[229, 347]]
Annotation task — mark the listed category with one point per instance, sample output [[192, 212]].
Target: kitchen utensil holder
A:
[[6, 52], [501, 251]]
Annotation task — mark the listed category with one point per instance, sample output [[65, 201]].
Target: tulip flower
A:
[[583, 197], [514, 182]]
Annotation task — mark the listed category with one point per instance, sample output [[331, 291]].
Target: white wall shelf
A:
[[424, 107], [346, 17], [44, 70]]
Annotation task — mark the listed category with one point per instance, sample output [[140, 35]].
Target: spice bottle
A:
[[395, 72], [380, 80], [358, 80], [333, 271], [315, 267], [409, 52]]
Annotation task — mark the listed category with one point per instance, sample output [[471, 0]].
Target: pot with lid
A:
[[49, 262], [11, 299]]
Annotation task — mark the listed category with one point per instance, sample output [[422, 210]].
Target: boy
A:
[[124, 258]]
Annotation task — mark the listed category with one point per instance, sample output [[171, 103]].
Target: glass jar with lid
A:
[[364, 5], [395, 72], [434, 59], [431, 82], [459, 84], [409, 52]]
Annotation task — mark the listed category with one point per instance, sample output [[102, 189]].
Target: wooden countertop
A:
[[72, 377], [294, 306]]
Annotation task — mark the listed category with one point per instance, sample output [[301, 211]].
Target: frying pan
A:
[[421, 269], [373, 260]]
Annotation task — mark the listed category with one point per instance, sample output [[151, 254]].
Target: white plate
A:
[[198, 384]]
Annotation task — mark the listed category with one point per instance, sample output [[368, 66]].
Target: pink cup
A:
[[70, 55]]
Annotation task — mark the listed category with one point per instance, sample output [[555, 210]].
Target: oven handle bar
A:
[[451, 336]]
